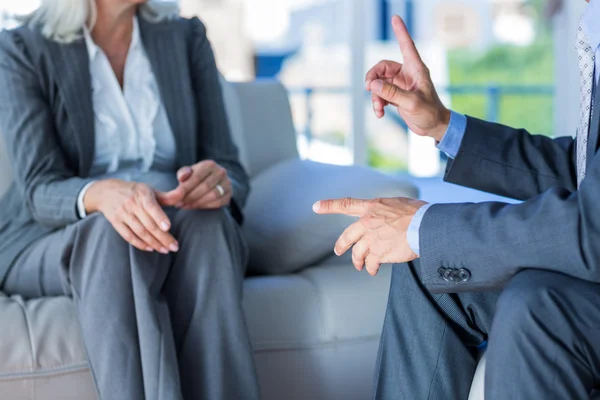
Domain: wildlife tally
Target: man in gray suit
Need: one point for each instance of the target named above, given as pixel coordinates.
(522, 279)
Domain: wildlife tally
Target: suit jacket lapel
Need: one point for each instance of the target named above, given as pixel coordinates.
(72, 74)
(166, 48)
(594, 128)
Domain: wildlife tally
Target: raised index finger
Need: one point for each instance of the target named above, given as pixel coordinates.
(346, 206)
(407, 45)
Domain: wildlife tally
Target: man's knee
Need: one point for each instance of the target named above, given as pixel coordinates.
(407, 294)
(527, 302)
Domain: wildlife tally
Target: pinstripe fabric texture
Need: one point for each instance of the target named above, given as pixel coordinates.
(46, 118)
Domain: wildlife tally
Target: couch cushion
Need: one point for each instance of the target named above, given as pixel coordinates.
(316, 333)
(39, 335)
(317, 306)
(42, 354)
(283, 233)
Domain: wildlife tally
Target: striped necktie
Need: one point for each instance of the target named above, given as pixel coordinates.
(586, 88)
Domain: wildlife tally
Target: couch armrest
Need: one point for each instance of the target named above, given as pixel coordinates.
(282, 231)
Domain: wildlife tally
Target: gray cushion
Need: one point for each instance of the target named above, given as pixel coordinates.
(41, 351)
(283, 232)
(315, 334)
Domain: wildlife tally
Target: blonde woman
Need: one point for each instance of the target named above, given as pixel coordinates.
(127, 195)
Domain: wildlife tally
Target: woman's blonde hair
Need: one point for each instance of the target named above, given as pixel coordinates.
(62, 20)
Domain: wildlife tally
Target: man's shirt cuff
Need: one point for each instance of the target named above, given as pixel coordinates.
(412, 235)
(454, 134)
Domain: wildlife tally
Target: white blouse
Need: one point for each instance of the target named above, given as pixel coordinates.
(132, 132)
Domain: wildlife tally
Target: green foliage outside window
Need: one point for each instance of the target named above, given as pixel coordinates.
(507, 65)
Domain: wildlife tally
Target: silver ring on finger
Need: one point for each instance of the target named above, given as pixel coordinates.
(220, 190)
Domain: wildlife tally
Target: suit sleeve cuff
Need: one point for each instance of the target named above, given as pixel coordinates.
(80, 206)
(412, 235)
(453, 137)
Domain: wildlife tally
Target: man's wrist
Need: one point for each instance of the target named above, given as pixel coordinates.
(412, 234)
(452, 138)
(438, 133)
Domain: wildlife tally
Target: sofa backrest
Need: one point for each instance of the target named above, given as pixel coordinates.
(264, 120)
(236, 123)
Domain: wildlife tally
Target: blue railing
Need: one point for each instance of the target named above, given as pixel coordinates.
(493, 94)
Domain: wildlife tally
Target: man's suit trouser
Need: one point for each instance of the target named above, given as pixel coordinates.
(542, 330)
(155, 326)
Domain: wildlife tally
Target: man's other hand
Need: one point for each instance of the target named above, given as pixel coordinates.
(379, 235)
(409, 88)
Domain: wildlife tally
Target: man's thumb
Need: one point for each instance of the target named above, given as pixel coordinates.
(388, 92)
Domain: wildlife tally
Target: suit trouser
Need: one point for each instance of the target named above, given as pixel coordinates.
(154, 326)
(543, 334)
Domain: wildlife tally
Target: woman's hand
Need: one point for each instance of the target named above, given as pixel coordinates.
(133, 210)
(204, 185)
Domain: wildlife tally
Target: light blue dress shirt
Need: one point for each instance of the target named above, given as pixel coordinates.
(452, 139)
(450, 144)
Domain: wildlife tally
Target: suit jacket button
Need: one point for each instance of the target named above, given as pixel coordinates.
(464, 275)
(454, 276)
(444, 273)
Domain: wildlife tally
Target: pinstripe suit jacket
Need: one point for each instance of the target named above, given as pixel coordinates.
(47, 120)
(556, 228)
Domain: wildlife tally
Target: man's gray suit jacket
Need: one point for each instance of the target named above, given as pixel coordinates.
(556, 228)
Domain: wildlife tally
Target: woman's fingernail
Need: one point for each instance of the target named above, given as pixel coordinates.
(376, 86)
(164, 250)
(174, 247)
(164, 226)
(150, 249)
(183, 172)
(179, 205)
(316, 206)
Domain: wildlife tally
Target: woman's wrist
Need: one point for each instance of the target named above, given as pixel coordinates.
(92, 200)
